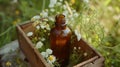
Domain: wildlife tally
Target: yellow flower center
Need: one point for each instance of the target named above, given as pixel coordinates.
(8, 63)
(50, 58)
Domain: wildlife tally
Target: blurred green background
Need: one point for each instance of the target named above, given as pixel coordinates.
(13, 12)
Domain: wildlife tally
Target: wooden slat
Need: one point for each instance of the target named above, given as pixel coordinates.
(86, 62)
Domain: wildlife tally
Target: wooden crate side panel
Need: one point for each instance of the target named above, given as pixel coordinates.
(28, 27)
(29, 51)
(87, 47)
(96, 63)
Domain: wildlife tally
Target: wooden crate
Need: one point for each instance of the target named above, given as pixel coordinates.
(36, 59)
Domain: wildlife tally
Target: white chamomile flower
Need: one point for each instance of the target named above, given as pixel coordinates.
(29, 34)
(78, 35)
(39, 44)
(52, 10)
(59, 3)
(43, 26)
(37, 17)
(44, 54)
(42, 39)
(76, 14)
(64, 6)
(86, 1)
(79, 48)
(47, 27)
(49, 51)
(52, 3)
(65, 13)
(38, 27)
(44, 14)
(75, 48)
(51, 59)
(41, 14)
(45, 19)
(51, 19)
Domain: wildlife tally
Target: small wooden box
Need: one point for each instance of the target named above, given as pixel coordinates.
(36, 59)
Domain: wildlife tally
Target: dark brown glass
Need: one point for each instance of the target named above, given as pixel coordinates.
(60, 37)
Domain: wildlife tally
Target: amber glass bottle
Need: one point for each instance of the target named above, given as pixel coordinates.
(60, 37)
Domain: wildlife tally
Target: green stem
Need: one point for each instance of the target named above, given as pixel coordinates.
(43, 6)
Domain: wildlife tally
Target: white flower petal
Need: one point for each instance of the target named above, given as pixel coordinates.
(44, 14)
(37, 17)
(42, 39)
(86, 1)
(44, 54)
(42, 26)
(38, 27)
(47, 27)
(49, 51)
(75, 48)
(52, 3)
(29, 34)
(52, 10)
(65, 7)
(51, 19)
(78, 35)
(59, 3)
(65, 13)
(76, 14)
(39, 45)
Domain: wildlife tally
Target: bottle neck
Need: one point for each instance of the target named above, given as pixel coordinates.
(60, 26)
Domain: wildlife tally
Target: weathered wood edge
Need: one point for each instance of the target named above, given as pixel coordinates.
(85, 62)
(28, 40)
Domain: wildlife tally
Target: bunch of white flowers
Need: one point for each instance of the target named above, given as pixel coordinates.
(48, 56)
(40, 23)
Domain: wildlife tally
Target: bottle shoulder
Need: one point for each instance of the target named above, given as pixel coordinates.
(63, 32)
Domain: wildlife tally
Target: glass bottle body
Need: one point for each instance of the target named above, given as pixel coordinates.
(60, 43)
